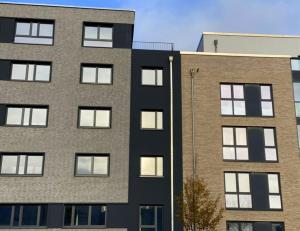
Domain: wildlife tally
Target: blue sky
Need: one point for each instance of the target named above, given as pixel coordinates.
(183, 21)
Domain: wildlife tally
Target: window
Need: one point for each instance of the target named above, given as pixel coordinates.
(152, 120)
(26, 116)
(34, 32)
(151, 218)
(31, 72)
(85, 215)
(24, 164)
(96, 74)
(151, 166)
(152, 77)
(30, 215)
(232, 99)
(98, 35)
(266, 100)
(95, 117)
(277, 226)
(237, 190)
(297, 98)
(274, 191)
(270, 144)
(240, 226)
(295, 63)
(235, 145)
(95, 164)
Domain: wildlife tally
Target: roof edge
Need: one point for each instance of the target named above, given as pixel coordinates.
(251, 35)
(234, 54)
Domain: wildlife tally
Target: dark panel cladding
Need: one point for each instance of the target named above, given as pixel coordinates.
(123, 35)
(252, 97)
(259, 188)
(118, 216)
(154, 191)
(256, 144)
(296, 76)
(263, 226)
(7, 30)
(5, 67)
(55, 215)
(2, 114)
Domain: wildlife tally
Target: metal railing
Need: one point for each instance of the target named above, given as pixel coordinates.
(139, 45)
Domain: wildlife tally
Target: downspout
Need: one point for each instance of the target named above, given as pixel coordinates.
(171, 142)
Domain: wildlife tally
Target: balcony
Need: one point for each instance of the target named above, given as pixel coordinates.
(160, 46)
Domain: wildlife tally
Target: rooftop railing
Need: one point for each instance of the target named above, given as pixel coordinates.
(139, 45)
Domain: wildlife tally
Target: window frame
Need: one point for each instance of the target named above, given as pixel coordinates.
(275, 194)
(239, 223)
(97, 66)
(93, 155)
(141, 226)
(275, 145)
(156, 69)
(94, 122)
(253, 222)
(156, 166)
(156, 121)
(98, 25)
(267, 100)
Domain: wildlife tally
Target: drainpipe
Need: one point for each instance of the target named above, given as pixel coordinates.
(171, 142)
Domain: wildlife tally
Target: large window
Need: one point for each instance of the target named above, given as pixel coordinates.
(101, 74)
(239, 226)
(31, 72)
(152, 77)
(85, 215)
(95, 117)
(152, 120)
(266, 100)
(232, 99)
(253, 226)
(96, 35)
(92, 165)
(26, 116)
(151, 166)
(274, 191)
(237, 191)
(22, 164)
(29, 216)
(34, 32)
(151, 218)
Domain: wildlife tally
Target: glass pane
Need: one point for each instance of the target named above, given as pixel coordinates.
(233, 227)
(90, 32)
(297, 91)
(42, 72)
(245, 201)
(230, 182)
(226, 91)
(275, 202)
(104, 75)
(34, 40)
(148, 166)
(238, 91)
(244, 184)
(269, 137)
(22, 160)
(14, 116)
(89, 74)
(241, 136)
(271, 154)
(159, 76)
(34, 27)
(84, 165)
(23, 28)
(228, 136)
(101, 165)
(273, 183)
(68, 215)
(39, 116)
(295, 64)
(277, 227)
(242, 154)
(87, 118)
(97, 43)
(18, 71)
(98, 215)
(29, 215)
(228, 153)
(46, 30)
(106, 33)
(35, 164)
(30, 72)
(231, 201)
(26, 116)
(148, 215)
(5, 214)
(148, 77)
(226, 107)
(297, 107)
(81, 215)
(159, 119)
(148, 120)
(103, 118)
(159, 166)
(43, 215)
(9, 164)
(267, 108)
(265, 92)
(246, 227)
(239, 107)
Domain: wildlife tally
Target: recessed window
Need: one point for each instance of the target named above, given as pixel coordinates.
(232, 99)
(270, 144)
(266, 100)
(95, 117)
(239, 226)
(24, 164)
(152, 120)
(295, 63)
(151, 218)
(92, 165)
(34, 32)
(98, 35)
(237, 190)
(274, 191)
(31, 72)
(85, 215)
(26, 116)
(151, 166)
(152, 77)
(96, 74)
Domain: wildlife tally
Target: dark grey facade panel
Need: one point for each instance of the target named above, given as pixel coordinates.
(252, 98)
(259, 191)
(256, 144)
(5, 69)
(2, 114)
(123, 35)
(7, 30)
(55, 216)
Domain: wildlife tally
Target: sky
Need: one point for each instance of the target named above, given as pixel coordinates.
(183, 21)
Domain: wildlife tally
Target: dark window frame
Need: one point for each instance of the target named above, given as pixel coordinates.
(97, 66)
(275, 194)
(156, 76)
(156, 122)
(156, 169)
(94, 122)
(267, 100)
(141, 226)
(253, 222)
